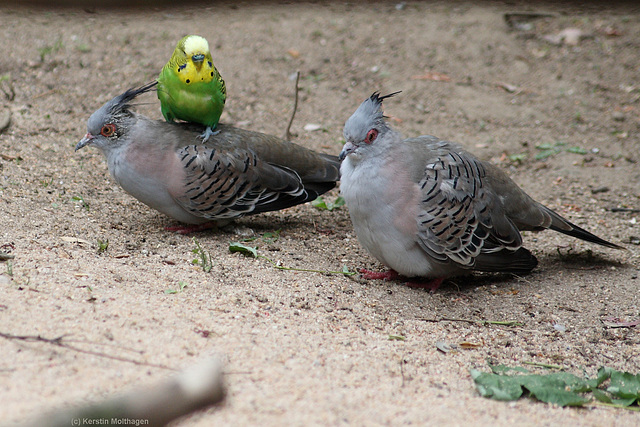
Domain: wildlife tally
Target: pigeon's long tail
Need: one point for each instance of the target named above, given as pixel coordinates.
(566, 227)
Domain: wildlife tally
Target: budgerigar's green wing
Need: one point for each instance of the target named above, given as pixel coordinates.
(166, 87)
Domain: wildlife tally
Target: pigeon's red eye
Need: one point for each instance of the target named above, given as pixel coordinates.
(108, 130)
(371, 136)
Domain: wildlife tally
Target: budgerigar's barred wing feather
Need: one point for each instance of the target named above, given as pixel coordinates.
(231, 183)
(459, 219)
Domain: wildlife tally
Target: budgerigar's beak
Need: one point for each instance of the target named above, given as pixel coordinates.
(198, 58)
(348, 148)
(88, 139)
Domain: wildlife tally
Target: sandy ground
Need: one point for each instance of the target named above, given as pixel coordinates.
(305, 348)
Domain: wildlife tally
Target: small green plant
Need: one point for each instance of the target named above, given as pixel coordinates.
(81, 199)
(268, 237)
(83, 47)
(181, 286)
(548, 149)
(9, 268)
(103, 245)
(203, 258)
(46, 50)
(517, 158)
(321, 204)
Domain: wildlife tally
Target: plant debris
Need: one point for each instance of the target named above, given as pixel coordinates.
(559, 388)
(322, 204)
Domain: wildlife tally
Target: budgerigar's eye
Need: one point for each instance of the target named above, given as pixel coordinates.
(108, 130)
(371, 136)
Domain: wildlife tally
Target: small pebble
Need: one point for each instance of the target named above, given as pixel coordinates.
(618, 116)
(560, 328)
(599, 190)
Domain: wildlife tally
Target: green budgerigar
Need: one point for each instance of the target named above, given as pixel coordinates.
(190, 87)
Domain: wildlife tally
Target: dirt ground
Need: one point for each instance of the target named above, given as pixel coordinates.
(304, 348)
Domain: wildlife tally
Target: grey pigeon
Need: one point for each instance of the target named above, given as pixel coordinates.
(427, 208)
(236, 173)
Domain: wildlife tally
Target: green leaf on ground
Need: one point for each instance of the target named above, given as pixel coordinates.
(624, 386)
(559, 388)
(322, 204)
(497, 387)
(548, 149)
(245, 250)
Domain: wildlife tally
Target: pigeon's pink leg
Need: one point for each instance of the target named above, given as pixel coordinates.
(378, 275)
(187, 229)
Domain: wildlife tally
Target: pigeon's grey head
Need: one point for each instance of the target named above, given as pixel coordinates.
(110, 121)
(366, 125)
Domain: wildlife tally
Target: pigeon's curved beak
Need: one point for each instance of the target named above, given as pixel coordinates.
(88, 139)
(198, 58)
(348, 148)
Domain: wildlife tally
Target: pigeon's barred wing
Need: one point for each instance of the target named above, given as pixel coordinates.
(459, 218)
(227, 184)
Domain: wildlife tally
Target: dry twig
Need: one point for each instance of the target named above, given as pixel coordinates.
(287, 132)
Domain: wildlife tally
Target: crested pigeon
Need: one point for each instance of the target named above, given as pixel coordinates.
(427, 208)
(235, 173)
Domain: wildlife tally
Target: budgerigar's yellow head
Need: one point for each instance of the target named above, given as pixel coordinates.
(192, 60)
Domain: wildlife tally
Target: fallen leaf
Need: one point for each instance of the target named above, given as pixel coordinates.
(293, 53)
(508, 87)
(469, 345)
(610, 31)
(432, 75)
(243, 249)
(615, 322)
(10, 158)
(75, 240)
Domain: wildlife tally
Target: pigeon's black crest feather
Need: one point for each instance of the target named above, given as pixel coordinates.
(123, 101)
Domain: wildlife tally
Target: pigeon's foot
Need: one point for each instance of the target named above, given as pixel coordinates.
(188, 229)
(208, 133)
(432, 285)
(378, 275)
